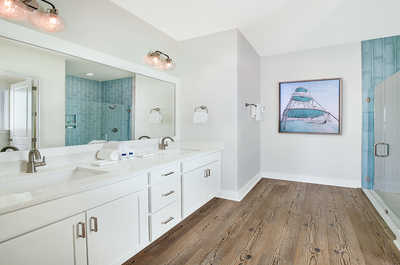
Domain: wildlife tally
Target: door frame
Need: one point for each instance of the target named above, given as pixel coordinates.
(35, 86)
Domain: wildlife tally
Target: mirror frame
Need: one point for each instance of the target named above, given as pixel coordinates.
(25, 35)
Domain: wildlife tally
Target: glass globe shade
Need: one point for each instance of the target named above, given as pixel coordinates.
(168, 64)
(48, 21)
(149, 58)
(156, 59)
(13, 9)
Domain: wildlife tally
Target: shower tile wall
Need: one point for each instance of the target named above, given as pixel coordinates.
(118, 95)
(380, 59)
(100, 107)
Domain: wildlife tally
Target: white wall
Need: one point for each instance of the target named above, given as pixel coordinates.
(318, 158)
(209, 77)
(4, 108)
(4, 123)
(222, 71)
(105, 27)
(49, 69)
(4, 138)
(248, 129)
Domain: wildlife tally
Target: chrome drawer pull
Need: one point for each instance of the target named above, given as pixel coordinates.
(207, 173)
(81, 230)
(95, 227)
(168, 193)
(167, 174)
(168, 220)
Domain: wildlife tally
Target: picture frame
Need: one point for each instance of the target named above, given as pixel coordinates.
(311, 106)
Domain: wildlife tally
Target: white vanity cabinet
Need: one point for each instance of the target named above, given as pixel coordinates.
(57, 243)
(109, 224)
(200, 182)
(114, 230)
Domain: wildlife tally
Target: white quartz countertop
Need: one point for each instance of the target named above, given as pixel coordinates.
(26, 190)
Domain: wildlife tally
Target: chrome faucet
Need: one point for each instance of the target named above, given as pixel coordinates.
(34, 158)
(164, 144)
(9, 147)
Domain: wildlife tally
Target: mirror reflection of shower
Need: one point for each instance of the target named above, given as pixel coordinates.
(101, 103)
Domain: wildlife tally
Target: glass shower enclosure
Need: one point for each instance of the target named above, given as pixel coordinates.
(387, 143)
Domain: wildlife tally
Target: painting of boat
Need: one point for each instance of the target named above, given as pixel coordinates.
(310, 106)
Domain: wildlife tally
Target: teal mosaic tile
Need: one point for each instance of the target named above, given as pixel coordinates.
(90, 100)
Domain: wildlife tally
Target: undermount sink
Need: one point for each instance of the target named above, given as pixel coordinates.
(179, 151)
(175, 151)
(28, 183)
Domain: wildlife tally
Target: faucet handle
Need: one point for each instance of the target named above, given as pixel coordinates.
(42, 163)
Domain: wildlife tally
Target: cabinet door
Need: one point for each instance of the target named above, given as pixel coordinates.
(214, 179)
(199, 186)
(114, 230)
(195, 191)
(61, 243)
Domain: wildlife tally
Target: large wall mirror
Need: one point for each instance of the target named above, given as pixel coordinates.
(76, 101)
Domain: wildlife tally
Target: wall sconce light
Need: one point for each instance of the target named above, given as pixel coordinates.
(22, 10)
(159, 60)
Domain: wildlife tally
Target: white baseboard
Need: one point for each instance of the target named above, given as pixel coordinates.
(242, 192)
(247, 188)
(391, 219)
(352, 183)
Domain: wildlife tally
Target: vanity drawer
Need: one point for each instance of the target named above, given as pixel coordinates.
(165, 172)
(164, 193)
(190, 165)
(164, 220)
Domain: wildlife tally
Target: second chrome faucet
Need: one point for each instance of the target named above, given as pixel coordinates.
(164, 143)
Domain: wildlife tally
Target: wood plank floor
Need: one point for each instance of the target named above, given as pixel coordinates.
(279, 223)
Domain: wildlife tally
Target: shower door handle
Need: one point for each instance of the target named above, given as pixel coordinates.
(386, 149)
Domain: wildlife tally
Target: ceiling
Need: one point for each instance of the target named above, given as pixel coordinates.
(78, 67)
(272, 26)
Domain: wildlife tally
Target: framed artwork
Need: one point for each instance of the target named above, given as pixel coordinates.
(310, 106)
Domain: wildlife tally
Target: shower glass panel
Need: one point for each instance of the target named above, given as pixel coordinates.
(387, 142)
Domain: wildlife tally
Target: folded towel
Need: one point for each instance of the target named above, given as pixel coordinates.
(253, 111)
(107, 154)
(155, 117)
(259, 112)
(200, 116)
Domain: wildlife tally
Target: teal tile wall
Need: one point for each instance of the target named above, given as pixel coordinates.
(119, 93)
(380, 59)
(90, 101)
